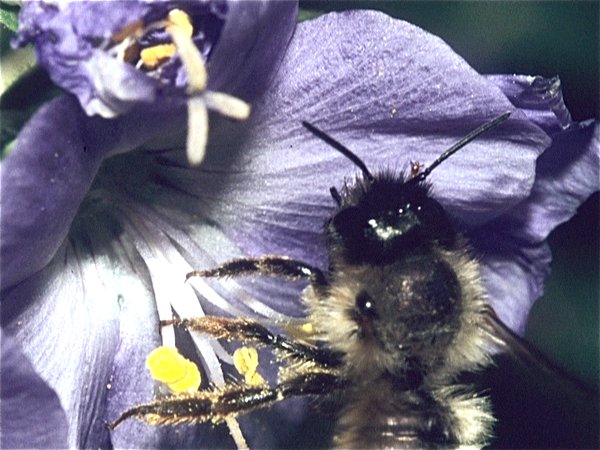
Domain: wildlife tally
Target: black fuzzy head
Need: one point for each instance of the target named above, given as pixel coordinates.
(381, 218)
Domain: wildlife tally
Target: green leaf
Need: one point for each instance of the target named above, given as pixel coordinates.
(9, 16)
(308, 14)
(15, 65)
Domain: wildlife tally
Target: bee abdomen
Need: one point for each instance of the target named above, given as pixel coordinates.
(414, 422)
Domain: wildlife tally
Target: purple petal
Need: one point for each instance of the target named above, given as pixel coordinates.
(513, 272)
(32, 416)
(539, 98)
(43, 181)
(567, 174)
(66, 38)
(515, 258)
(96, 287)
(50, 170)
(50, 315)
(246, 57)
(87, 19)
(276, 195)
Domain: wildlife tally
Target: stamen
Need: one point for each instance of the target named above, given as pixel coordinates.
(190, 56)
(168, 366)
(172, 295)
(197, 137)
(236, 433)
(181, 33)
(245, 360)
(181, 21)
(227, 105)
(179, 26)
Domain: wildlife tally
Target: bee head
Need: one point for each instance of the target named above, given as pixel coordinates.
(383, 215)
(381, 218)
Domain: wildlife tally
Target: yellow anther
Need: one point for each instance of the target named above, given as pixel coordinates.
(180, 20)
(305, 332)
(167, 365)
(152, 57)
(177, 22)
(245, 360)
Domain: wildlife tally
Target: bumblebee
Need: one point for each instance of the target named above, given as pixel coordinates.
(400, 313)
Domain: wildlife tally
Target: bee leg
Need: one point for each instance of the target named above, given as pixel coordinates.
(274, 266)
(201, 406)
(230, 401)
(245, 330)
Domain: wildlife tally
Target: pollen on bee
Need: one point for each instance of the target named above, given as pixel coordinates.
(245, 360)
(168, 366)
(304, 332)
(308, 328)
(414, 168)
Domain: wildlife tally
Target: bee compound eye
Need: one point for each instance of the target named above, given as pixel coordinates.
(345, 222)
(365, 305)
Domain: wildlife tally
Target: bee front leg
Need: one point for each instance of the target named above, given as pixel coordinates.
(228, 402)
(274, 266)
(245, 330)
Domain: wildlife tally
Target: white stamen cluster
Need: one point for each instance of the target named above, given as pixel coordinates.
(200, 99)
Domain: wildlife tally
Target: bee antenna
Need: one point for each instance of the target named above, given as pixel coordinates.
(340, 148)
(456, 147)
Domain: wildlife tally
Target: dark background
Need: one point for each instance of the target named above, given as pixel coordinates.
(548, 39)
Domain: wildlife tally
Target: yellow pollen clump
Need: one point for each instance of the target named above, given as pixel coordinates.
(167, 365)
(245, 360)
(152, 57)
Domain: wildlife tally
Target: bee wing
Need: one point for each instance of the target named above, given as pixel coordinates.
(508, 341)
(537, 403)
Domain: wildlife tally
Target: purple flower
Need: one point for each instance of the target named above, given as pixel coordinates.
(26, 398)
(95, 49)
(95, 243)
(48, 185)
